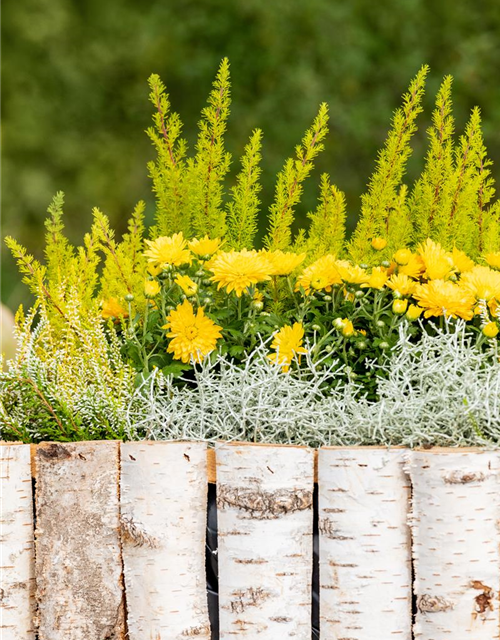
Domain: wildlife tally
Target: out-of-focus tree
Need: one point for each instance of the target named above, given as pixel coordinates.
(75, 91)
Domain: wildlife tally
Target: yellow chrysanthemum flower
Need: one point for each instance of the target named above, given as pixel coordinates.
(352, 273)
(283, 262)
(188, 286)
(193, 335)
(494, 307)
(377, 279)
(461, 261)
(287, 343)
(151, 288)
(238, 270)
(493, 259)
(379, 243)
(321, 274)
(111, 308)
(483, 282)
(168, 250)
(438, 297)
(401, 284)
(413, 268)
(206, 246)
(438, 263)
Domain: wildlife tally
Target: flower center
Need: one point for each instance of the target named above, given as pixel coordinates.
(191, 333)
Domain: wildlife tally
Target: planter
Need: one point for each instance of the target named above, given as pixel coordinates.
(120, 541)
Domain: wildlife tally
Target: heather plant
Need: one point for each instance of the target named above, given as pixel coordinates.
(69, 384)
(195, 290)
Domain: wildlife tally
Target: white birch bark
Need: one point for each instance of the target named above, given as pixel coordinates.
(365, 552)
(164, 514)
(17, 598)
(455, 520)
(265, 518)
(78, 555)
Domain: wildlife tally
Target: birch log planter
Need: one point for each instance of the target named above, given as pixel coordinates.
(365, 550)
(111, 542)
(265, 527)
(17, 602)
(164, 506)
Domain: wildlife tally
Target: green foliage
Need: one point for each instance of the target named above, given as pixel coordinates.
(207, 170)
(399, 223)
(243, 209)
(327, 227)
(167, 172)
(58, 252)
(430, 198)
(465, 185)
(289, 186)
(489, 240)
(486, 218)
(378, 203)
(125, 265)
(33, 272)
(70, 272)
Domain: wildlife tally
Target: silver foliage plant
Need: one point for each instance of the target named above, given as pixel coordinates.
(442, 391)
(254, 402)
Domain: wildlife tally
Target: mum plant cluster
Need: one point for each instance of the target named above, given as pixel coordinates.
(120, 328)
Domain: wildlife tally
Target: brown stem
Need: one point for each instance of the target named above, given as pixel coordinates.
(115, 257)
(47, 404)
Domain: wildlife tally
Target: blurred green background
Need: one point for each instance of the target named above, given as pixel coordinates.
(75, 93)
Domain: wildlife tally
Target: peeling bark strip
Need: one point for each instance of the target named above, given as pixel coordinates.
(17, 598)
(78, 557)
(164, 511)
(365, 557)
(456, 505)
(265, 541)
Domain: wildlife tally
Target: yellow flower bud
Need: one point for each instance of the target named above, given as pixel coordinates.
(379, 243)
(490, 329)
(399, 306)
(347, 328)
(402, 257)
(151, 288)
(414, 312)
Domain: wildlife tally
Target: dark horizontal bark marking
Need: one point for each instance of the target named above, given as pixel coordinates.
(460, 477)
(244, 598)
(264, 505)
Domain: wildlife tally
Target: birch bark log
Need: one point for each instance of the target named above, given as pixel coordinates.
(265, 518)
(164, 513)
(78, 555)
(17, 598)
(455, 520)
(365, 553)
